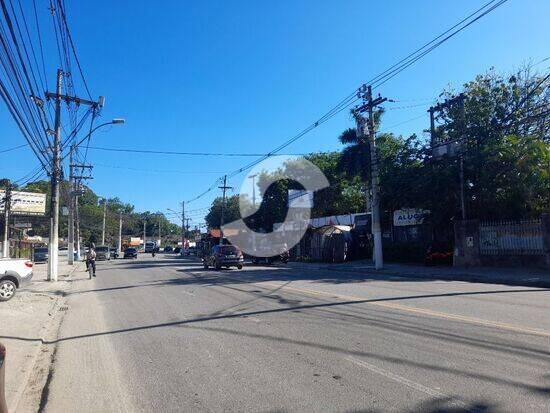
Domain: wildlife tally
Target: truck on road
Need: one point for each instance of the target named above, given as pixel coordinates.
(14, 273)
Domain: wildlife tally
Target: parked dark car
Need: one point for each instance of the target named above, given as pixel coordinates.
(114, 253)
(177, 250)
(168, 248)
(102, 253)
(224, 256)
(40, 254)
(130, 253)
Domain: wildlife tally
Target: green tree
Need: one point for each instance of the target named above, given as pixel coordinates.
(231, 211)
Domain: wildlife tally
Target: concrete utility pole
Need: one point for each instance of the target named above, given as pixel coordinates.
(104, 215)
(70, 238)
(160, 237)
(187, 224)
(182, 224)
(223, 188)
(119, 233)
(369, 104)
(75, 191)
(435, 142)
(77, 229)
(53, 245)
(253, 177)
(7, 207)
(144, 230)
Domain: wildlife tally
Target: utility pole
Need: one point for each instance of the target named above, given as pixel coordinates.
(187, 224)
(7, 207)
(253, 177)
(160, 237)
(368, 126)
(435, 142)
(77, 229)
(182, 224)
(70, 238)
(223, 188)
(120, 233)
(74, 219)
(53, 245)
(104, 215)
(144, 230)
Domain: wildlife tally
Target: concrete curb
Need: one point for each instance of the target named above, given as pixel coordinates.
(57, 303)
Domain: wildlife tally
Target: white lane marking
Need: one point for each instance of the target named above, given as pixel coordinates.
(409, 383)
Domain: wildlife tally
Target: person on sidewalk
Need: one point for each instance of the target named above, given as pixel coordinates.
(90, 258)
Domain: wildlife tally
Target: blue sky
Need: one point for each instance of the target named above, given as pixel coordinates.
(244, 76)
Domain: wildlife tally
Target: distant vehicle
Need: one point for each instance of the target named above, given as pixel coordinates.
(102, 253)
(14, 273)
(114, 253)
(168, 248)
(224, 256)
(40, 254)
(150, 246)
(177, 250)
(130, 253)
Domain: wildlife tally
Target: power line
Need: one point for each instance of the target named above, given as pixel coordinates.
(175, 152)
(377, 81)
(14, 148)
(434, 43)
(154, 170)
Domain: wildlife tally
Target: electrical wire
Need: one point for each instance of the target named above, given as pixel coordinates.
(14, 148)
(128, 150)
(377, 81)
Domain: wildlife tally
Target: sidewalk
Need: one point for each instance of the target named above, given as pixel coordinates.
(27, 320)
(530, 277)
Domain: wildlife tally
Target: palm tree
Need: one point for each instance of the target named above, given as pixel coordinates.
(355, 160)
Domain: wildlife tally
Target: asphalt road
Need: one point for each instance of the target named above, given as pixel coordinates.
(165, 335)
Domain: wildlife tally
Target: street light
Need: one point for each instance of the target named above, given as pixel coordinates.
(115, 121)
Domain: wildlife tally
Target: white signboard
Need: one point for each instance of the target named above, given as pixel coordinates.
(403, 217)
(25, 203)
(298, 198)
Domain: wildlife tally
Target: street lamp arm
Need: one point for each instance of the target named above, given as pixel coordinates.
(92, 131)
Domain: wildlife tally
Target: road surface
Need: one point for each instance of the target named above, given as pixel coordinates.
(162, 334)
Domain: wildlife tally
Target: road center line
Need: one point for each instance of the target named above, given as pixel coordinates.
(422, 311)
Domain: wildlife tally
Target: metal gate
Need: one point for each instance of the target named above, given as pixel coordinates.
(511, 238)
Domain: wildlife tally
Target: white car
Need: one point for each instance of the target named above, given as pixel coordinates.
(14, 273)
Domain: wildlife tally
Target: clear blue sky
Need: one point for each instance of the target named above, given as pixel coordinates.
(244, 76)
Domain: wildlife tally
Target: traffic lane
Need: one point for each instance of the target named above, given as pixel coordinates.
(524, 307)
(271, 323)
